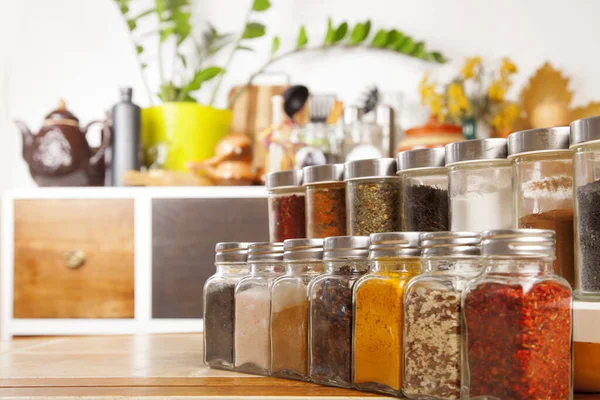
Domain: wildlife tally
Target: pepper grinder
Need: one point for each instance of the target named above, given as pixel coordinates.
(125, 138)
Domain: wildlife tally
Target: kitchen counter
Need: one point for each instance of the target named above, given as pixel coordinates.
(144, 366)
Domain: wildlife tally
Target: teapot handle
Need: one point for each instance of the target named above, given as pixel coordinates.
(106, 136)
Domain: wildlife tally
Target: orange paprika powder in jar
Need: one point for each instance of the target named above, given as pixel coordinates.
(378, 319)
(518, 321)
(325, 201)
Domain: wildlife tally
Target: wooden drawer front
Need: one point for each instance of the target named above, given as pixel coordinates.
(184, 234)
(47, 229)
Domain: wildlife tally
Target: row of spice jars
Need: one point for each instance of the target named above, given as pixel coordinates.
(377, 321)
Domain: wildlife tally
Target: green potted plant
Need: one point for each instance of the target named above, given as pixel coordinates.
(187, 130)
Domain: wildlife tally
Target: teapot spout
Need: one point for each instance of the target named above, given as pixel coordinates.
(27, 137)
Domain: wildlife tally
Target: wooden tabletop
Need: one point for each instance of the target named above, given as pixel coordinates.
(163, 366)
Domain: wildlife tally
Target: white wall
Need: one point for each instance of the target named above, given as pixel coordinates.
(79, 50)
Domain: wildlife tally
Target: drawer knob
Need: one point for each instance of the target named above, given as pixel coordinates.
(74, 259)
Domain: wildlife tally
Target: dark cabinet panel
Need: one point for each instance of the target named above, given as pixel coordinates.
(184, 234)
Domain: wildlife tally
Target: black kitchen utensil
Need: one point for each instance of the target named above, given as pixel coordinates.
(294, 99)
(369, 99)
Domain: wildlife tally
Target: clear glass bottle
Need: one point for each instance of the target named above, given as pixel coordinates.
(373, 197)
(424, 182)
(432, 314)
(219, 304)
(286, 205)
(517, 321)
(480, 185)
(330, 310)
(378, 303)
(585, 141)
(315, 144)
(303, 259)
(253, 308)
(325, 201)
(543, 181)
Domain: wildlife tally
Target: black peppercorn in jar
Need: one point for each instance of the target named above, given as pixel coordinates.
(219, 304)
(424, 190)
(585, 141)
(373, 196)
(330, 310)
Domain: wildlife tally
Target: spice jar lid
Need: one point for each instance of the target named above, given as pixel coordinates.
(283, 179)
(530, 140)
(437, 244)
(585, 130)
(323, 173)
(421, 158)
(372, 168)
(231, 252)
(303, 250)
(476, 150)
(265, 251)
(395, 244)
(346, 247)
(538, 243)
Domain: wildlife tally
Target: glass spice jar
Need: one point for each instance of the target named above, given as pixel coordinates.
(325, 201)
(378, 303)
(253, 308)
(424, 182)
(585, 141)
(303, 260)
(372, 196)
(286, 205)
(219, 305)
(543, 177)
(480, 185)
(330, 310)
(432, 314)
(517, 321)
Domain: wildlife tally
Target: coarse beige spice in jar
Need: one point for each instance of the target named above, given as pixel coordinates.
(252, 320)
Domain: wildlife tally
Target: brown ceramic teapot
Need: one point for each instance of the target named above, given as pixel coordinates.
(59, 154)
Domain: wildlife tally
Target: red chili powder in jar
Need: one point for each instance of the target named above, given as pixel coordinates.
(519, 343)
(289, 218)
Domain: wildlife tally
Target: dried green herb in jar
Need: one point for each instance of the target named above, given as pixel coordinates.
(374, 206)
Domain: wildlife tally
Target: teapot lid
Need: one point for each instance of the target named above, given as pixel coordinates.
(61, 113)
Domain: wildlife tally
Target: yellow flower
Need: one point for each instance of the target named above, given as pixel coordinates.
(458, 103)
(497, 90)
(505, 117)
(508, 67)
(471, 64)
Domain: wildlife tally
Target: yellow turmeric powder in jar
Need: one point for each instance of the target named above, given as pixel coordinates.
(378, 312)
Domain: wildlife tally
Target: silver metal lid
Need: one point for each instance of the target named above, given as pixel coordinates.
(265, 251)
(544, 139)
(303, 250)
(421, 158)
(395, 244)
(323, 173)
(585, 130)
(376, 167)
(455, 244)
(283, 179)
(475, 150)
(231, 252)
(346, 247)
(537, 243)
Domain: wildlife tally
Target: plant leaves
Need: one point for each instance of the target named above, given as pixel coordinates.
(275, 45)
(261, 5)
(360, 32)
(166, 32)
(123, 6)
(438, 57)
(131, 24)
(302, 38)
(340, 32)
(253, 30)
(380, 39)
(139, 49)
(143, 14)
(407, 46)
(183, 60)
(330, 35)
(419, 50)
(245, 48)
(182, 28)
(202, 76)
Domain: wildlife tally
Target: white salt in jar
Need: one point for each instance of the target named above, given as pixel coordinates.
(480, 185)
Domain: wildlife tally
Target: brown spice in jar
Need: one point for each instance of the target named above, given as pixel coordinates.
(561, 222)
(432, 340)
(289, 336)
(326, 210)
